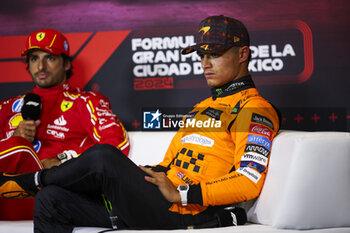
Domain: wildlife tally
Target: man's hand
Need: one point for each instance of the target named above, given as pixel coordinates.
(48, 163)
(165, 186)
(27, 129)
(56, 161)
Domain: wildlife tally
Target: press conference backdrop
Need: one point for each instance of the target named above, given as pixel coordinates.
(130, 52)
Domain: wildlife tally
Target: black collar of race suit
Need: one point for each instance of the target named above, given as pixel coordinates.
(233, 87)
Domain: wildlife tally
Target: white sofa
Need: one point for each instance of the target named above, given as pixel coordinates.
(307, 186)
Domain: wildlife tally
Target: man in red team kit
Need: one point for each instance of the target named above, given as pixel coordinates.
(70, 120)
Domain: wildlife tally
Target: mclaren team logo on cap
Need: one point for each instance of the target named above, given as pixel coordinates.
(205, 47)
(40, 36)
(204, 29)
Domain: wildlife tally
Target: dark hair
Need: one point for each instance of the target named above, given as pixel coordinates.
(66, 58)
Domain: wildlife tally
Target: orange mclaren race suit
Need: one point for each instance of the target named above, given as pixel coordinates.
(71, 119)
(222, 153)
(223, 150)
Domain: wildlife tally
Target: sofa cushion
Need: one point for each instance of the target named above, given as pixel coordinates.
(149, 148)
(308, 182)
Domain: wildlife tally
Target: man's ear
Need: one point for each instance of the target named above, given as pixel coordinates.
(67, 65)
(244, 54)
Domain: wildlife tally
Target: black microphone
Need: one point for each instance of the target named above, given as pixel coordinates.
(31, 108)
(229, 216)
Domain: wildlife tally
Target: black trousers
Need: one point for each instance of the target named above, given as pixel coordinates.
(72, 196)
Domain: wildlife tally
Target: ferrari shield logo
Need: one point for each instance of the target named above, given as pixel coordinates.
(40, 36)
(66, 105)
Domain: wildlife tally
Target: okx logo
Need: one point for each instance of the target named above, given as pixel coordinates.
(151, 119)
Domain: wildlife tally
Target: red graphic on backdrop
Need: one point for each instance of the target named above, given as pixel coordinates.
(153, 83)
(333, 117)
(298, 118)
(308, 52)
(315, 118)
(90, 52)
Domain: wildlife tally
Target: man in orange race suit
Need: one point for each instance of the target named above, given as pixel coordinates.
(204, 170)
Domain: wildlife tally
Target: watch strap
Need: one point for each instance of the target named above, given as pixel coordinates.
(183, 190)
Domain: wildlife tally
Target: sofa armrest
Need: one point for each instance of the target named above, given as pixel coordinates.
(308, 182)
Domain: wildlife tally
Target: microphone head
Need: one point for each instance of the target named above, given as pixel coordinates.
(31, 108)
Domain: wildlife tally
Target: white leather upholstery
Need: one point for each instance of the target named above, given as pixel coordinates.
(308, 182)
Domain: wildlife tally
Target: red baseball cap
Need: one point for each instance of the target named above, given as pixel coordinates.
(49, 40)
(218, 33)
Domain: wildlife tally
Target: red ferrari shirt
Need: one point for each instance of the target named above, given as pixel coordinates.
(71, 119)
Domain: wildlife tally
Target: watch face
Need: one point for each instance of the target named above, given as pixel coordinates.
(61, 156)
(183, 187)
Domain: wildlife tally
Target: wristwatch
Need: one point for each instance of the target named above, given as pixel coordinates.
(183, 189)
(61, 156)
